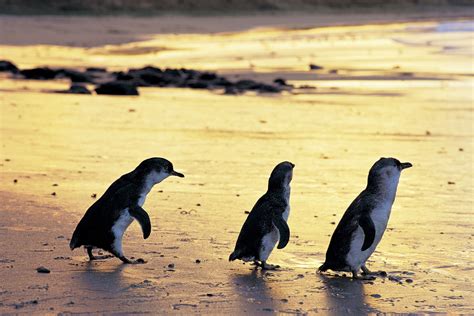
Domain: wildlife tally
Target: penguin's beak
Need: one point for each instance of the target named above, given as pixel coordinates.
(177, 174)
(405, 165)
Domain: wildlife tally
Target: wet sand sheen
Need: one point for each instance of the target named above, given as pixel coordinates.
(226, 146)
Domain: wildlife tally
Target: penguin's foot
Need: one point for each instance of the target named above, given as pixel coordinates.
(89, 253)
(366, 271)
(128, 261)
(362, 277)
(103, 257)
(256, 264)
(266, 266)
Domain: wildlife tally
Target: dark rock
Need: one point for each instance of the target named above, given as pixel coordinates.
(315, 67)
(232, 90)
(280, 81)
(117, 88)
(247, 85)
(96, 69)
(75, 76)
(151, 79)
(208, 76)
(266, 88)
(42, 270)
(221, 82)
(44, 73)
(8, 66)
(198, 85)
(124, 76)
(333, 71)
(376, 295)
(76, 89)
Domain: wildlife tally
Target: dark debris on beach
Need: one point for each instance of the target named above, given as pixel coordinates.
(128, 82)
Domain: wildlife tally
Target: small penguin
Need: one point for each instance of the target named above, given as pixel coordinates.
(266, 223)
(105, 222)
(364, 222)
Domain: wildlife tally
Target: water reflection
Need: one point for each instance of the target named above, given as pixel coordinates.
(345, 296)
(253, 288)
(97, 279)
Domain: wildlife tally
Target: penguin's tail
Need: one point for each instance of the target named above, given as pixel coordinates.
(74, 243)
(234, 255)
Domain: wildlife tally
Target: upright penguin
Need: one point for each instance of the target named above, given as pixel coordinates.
(364, 222)
(266, 223)
(105, 222)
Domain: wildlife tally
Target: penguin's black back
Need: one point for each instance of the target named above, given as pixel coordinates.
(341, 239)
(258, 224)
(94, 229)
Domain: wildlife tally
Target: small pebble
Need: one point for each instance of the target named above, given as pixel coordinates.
(171, 265)
(409, 281)
(140, 260)
(42, 270)
(383, 274)
(55, 184)
(93, 195)
(246, 212)
(53, 194)
(376, 295)
(451, 182)
(210, 294)
(15, 180)
(198, 261)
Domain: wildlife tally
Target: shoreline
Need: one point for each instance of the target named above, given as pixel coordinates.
(19, 30)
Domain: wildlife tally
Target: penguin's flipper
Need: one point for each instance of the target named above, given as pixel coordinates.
(369, 231)
(142, 217)
(284, 230)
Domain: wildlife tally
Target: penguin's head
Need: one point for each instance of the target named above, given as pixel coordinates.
(386, 171)
(156, 170)
(281, 175)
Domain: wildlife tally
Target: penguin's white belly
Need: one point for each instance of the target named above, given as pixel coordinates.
(356, 257)
(268, 243)
(270, 240)
(119, 228)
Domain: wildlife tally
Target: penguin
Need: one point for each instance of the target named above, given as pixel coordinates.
(364, 222)
(266, 224)
(105, 222)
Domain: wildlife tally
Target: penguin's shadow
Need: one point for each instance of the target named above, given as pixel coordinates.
(345, 295)
(101, 279)
(253, 288)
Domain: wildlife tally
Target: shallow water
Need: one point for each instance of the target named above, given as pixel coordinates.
(389, 98)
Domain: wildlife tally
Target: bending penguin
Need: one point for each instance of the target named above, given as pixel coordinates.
(266, 224)
(364, 222)
(105, 222)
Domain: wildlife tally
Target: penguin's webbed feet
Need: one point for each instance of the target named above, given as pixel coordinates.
(367, 272)
(128, 261)
(362, 277)
(266, 266)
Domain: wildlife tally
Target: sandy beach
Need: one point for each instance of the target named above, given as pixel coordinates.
(401, 89)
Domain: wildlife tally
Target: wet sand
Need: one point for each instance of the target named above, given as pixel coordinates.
(402, 90)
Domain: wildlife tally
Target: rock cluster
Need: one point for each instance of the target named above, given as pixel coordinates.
(126, 83)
